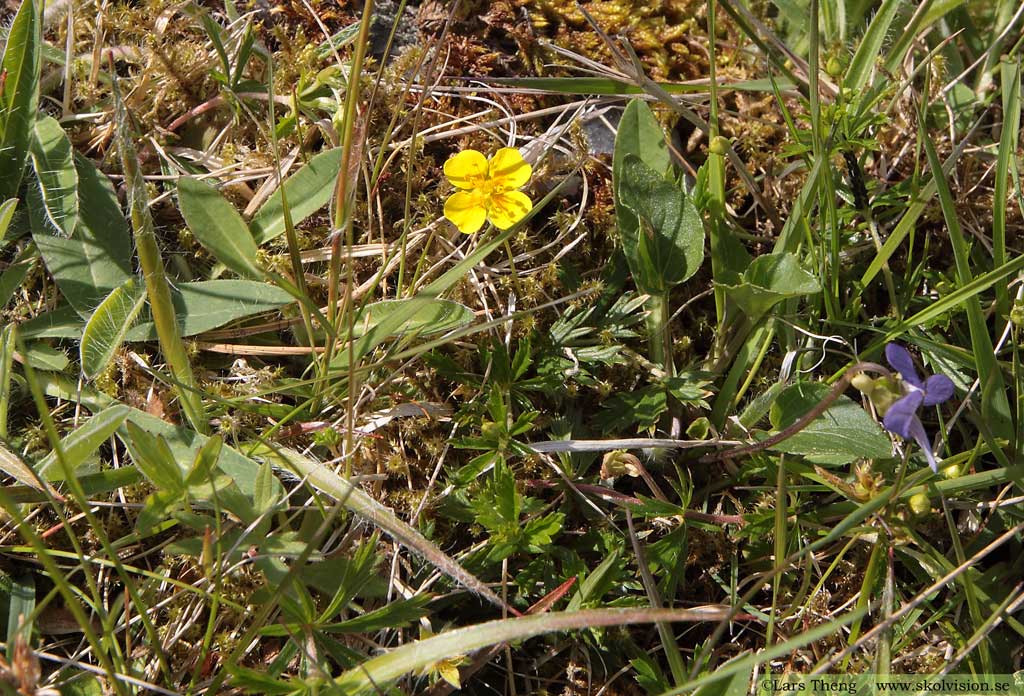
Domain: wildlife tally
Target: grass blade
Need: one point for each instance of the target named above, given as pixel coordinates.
(995, 407)
(1010, 73)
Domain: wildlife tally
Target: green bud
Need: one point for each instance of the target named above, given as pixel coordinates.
(863, 383)
(833, 67)
(1017, 314)
(719, 145)
(920, 504)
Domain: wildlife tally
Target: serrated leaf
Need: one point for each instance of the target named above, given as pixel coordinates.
(770, 279)
(54, 164)
(20, 95)
(208, 304)
(666, 246)
(841, 435)
(306, 191)
(217, 226)
(106, 329)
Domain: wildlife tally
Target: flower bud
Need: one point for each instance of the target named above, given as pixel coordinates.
(618, 463)
(920, 504)
(719, 145)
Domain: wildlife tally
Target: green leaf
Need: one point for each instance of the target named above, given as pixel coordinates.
(13, 275)
(866, 57)
(843, 434)
(770, 279)
(82, 268)
(19, 97)
(98, 257)
(666, 246)
(375, 674)
(20, 610)
(306, 191)
(83, 442)
(208, 304)
(995, 406)
(100, 217)
(217, 226)
(379, 321)
(155, 460)
(430, 317)
(106, 329)
(54, 164)
(43, 356)
(360, 503)
(597, 582)
(62, 322)
(639, 134)
(185, 444)
(6, 215)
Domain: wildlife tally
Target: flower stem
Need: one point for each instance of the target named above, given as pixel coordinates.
(659, 338)
(157, 288)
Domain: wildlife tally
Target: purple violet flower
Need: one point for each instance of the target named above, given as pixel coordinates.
(901, 418)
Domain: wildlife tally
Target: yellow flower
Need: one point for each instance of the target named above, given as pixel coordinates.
(487, 189)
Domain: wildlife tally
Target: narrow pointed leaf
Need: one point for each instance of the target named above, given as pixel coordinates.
(21, 61)
(306, 191)
(54, 164)
(106, 329)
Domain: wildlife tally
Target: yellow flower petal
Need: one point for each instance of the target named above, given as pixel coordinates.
(466, 169)
(506, 209)
(508, 170)
(466, 211)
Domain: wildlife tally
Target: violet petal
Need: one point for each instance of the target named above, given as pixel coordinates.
(900, 360)
(921, 437)
(937, 388)
(901, 415)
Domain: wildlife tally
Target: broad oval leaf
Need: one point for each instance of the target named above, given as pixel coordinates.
(666, 246)
(841, 435)
(19, 96)
(218, 227)
(97, 258)
(306, 191)
(208, 304)
(106, 329)
(54, 164)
